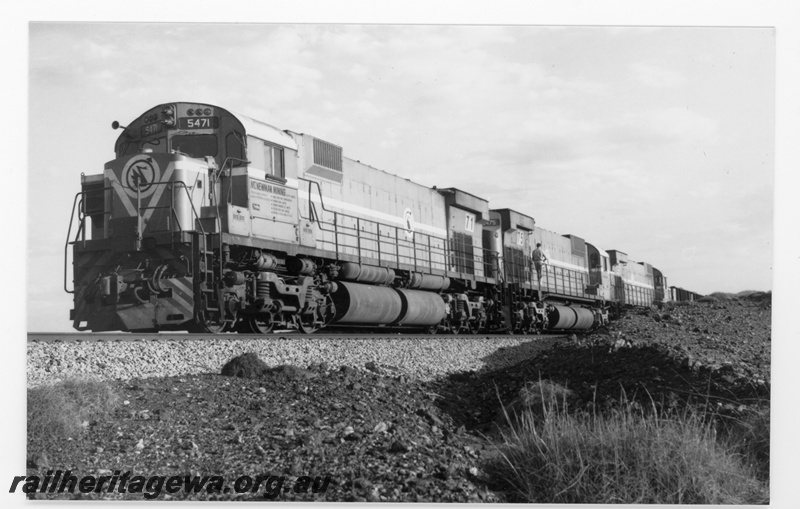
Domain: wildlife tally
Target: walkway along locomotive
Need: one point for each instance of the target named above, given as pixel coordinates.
(210, 221)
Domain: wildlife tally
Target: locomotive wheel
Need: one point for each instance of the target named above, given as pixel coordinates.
(305, 323)
(474, 326)
(452, 327)
(258, 324)
(432, 329)
(310, 323)
(207, 327)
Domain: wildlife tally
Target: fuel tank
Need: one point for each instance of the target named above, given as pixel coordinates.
(421, 308)
(357, 303)
(567, 317)
(368, 304)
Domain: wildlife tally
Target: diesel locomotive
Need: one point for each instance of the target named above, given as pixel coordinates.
(210, 221)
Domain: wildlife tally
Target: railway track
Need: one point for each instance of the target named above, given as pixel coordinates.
(76, 337)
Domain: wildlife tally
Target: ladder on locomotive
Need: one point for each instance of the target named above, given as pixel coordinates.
(205, 279)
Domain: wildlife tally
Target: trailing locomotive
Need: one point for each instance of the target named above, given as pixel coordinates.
(211, 221)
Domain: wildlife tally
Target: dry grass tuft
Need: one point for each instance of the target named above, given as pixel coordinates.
(64, 410)
(748, 435)
(624, 456)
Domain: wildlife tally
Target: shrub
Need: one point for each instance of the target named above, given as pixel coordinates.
(246, 365)
(59, 411)
(624, 456)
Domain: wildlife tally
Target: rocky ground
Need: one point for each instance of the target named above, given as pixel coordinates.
(714, 355)
(383, 434)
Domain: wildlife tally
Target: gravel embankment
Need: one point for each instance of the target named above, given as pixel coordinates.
(409, 422)
(423, 359)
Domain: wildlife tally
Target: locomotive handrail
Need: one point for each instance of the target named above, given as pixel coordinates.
(319, 192)
(82, 216)
(444, 257)
(563, 281)
(66, 245)
(81, 228)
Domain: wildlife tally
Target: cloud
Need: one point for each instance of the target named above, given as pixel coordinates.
(656, 76)
(660, 128)
(679, 123)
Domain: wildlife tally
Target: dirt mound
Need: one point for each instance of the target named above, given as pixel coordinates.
(247, 365)
(764, 297)
(716, 356)
(722, 296)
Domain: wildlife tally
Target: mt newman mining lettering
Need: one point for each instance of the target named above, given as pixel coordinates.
(261, 186)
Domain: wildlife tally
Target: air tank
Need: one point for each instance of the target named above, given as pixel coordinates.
(567, 317)
(366, 274)
(300, 266)
(434, 283)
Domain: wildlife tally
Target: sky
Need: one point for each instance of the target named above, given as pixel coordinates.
(658, 142)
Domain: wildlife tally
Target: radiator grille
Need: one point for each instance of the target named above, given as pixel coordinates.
(327, 155)
(462, 253)
(515, 264)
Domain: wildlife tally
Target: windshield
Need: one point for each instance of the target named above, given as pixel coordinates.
(196, 145)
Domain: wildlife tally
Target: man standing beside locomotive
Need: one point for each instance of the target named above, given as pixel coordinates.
(538, 258)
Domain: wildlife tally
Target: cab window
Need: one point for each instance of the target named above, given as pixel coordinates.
(234, 148)
(266, 157)
(196, 145)
(157, 145)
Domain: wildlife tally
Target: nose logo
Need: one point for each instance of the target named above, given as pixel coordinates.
(141, 171)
